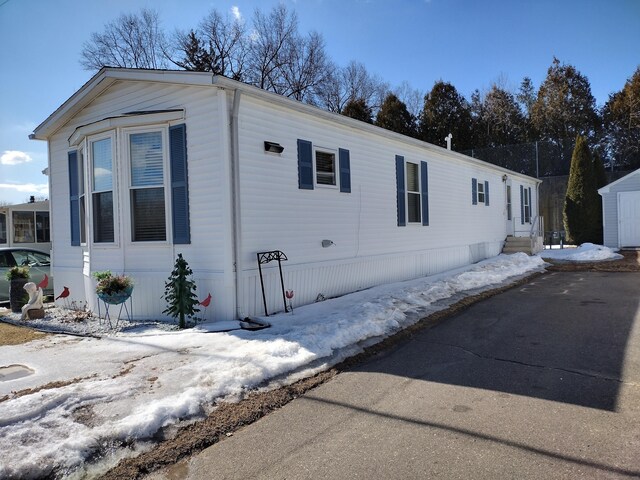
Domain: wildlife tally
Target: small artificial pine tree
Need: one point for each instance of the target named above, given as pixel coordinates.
(180, 292)
(581, 202)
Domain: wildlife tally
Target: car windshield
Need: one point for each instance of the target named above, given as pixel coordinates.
(32, 259)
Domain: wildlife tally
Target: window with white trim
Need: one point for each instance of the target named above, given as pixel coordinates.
(147, 186)
(82, 201)
(413, 193)
(3, 228)
(527, 206)
(325, 167)
(480, 192)
(102, 189)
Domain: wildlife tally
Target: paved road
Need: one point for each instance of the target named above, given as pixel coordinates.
(542, 381)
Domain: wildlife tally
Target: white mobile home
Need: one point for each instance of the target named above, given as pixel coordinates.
(148, 164)
(621, 211)
(25, 225)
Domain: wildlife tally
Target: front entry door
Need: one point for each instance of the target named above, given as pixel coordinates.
(509, 209)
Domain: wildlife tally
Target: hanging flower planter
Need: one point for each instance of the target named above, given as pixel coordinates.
(113, 289)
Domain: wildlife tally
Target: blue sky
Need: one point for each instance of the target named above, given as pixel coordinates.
(470, 43)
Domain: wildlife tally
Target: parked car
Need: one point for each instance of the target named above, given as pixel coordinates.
(39, 264)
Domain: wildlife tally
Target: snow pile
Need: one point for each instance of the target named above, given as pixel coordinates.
(124, 387)
(587, 252)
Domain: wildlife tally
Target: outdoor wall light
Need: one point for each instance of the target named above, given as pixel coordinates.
(504, 177)
(327, 243)
(273, 147)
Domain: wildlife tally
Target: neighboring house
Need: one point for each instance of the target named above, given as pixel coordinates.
(146, 164)
(25, 225)
(621, 211)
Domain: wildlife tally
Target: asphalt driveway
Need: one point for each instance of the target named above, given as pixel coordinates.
(542, 381)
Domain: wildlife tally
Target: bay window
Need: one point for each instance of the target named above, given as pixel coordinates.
(102, 190)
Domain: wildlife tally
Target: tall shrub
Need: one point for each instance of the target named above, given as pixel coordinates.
(180, 293)
(581, 203)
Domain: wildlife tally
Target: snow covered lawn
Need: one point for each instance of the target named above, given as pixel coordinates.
(587, 252)
(103, 397)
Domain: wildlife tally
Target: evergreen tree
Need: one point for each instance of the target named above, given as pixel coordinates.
(359, 110)
(393, 115)
(565, 106)
(621, 115)
(180, 293)
(446, 111)
(526, 97)
(502, 118)
(581, 202)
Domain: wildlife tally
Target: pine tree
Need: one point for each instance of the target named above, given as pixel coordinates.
(180, 293)
(446, 111)
(359, 110)
(393, 115)
(581, 202)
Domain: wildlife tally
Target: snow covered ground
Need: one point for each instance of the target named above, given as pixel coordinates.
(587, 252)
(115, 392)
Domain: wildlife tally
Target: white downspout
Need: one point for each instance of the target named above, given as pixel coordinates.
(235, 200)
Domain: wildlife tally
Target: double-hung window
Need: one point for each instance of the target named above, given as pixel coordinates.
(325, 167)
(479, 192)
(147, 186)
(412, 191)
(102, 190)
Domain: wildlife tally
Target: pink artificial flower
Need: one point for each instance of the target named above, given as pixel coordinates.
(289, 294)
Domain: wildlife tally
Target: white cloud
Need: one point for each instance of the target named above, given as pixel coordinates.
(14, 157)
(235, 11)
(34, 188)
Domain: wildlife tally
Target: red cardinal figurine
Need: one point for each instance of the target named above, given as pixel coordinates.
(64, 294)
(44, 283)
(205, 303)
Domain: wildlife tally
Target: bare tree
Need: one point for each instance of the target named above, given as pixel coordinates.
(268, 47)
(411, 97)
(352, 83)
(305, 68)
(132, 40)
(218, 45)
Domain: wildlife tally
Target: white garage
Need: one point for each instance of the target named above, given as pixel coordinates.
(621, 211)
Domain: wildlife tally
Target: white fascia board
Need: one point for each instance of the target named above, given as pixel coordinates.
(607, 188)
(102, 80)
(108, 75)
(128, 120)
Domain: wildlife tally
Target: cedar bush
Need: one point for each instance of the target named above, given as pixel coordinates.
(582, 203)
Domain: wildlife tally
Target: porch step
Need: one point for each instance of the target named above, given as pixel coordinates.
(521, 244)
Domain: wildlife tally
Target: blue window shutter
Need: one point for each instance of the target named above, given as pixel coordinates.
(486, 192)
(424, 194)
(521, 204)
(345, 170)
(305, 165)
(179, 184)
(474, 191)
(400, 191)
(74, 202)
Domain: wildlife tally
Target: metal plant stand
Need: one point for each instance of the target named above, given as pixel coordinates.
(121, 299)
(264, 258)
